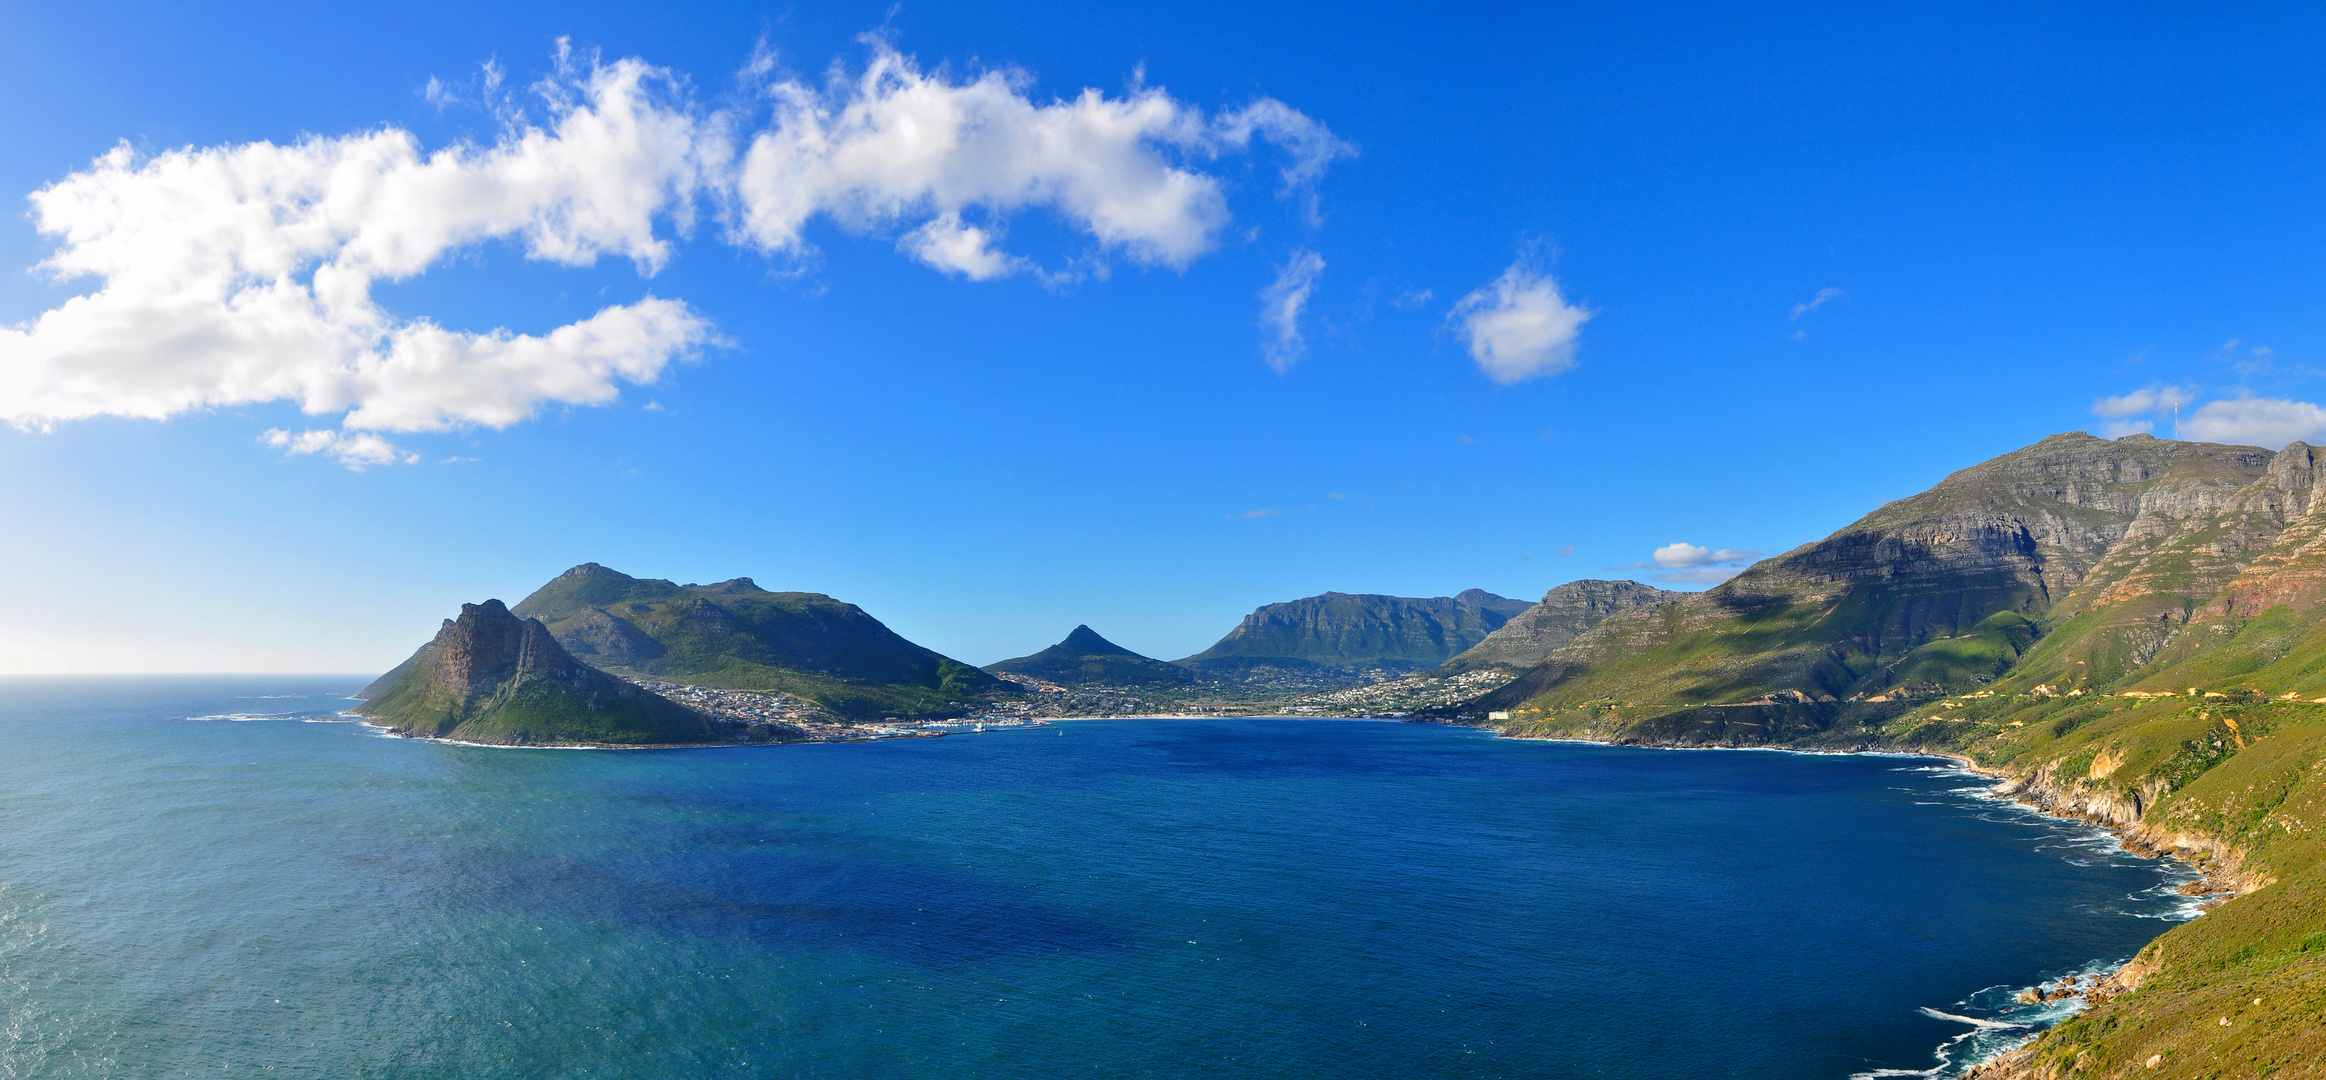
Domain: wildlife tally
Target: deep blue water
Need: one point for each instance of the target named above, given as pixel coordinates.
(1210, 898)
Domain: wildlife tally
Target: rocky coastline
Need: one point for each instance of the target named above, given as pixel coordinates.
(2223, 870)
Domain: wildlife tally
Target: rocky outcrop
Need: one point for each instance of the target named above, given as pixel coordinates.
(1558, 618)
(493, 677)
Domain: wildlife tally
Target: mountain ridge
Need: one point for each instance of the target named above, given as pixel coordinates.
(735, 635)
(2130, 631)
(1359, 630)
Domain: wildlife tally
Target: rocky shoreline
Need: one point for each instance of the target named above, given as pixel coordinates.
(2221, 869)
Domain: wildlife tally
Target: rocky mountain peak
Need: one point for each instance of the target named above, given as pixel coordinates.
(487, 646)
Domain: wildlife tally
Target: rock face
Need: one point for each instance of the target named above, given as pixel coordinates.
(492, 677)
(2131, 632)
(1949, 588)
(1558, 618)
(1355, 631)
(736, 635)
(1086, 659)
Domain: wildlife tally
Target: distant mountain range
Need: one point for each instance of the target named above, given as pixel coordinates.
(2130, 630)
(1086, 659)
(1354, 631)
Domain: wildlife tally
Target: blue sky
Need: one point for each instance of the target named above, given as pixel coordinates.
(1207, 308)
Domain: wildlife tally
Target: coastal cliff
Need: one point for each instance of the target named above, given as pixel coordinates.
(492, 677)
(2127, 632)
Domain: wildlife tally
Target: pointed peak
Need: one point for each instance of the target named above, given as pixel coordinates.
(1085, 641)
(593, 570)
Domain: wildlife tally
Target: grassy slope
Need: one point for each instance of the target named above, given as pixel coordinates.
(2235, 783)
(2231, 782)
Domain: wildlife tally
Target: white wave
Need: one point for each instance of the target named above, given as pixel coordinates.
(1971, 1020)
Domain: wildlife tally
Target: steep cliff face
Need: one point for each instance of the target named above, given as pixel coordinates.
(1086, 659)
(492, 677)
(1558, 618)
(737, 635)
(1351, 630)
(2130, 632)
(1942, 590)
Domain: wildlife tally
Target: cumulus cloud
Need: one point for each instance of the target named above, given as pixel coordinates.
(2270, 422)
(2149, 400)
(1518, 326)
(244, 274)
(895, 146)
(1280, 306)
(1824, 296)
(358, 451)
(1684, 554)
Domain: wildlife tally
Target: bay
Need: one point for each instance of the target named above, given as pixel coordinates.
(196, 879)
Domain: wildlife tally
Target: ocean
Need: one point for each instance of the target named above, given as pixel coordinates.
(198, 877)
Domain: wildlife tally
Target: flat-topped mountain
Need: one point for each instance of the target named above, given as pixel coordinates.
(1558, 618)
(1355, 631)
(1086, 659)
(738, 636)
(492, 677)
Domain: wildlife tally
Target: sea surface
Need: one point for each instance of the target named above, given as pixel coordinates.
(197, 880)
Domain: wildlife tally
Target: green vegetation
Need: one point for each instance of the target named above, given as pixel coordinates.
(492, 677)
(1354, 631)
(1086, 659)
(736, 635)
(2126, 630)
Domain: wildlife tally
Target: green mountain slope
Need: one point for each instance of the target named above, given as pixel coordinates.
(1086, 659)
(736, 635)
(491, 677)
(2129, 631)
(1356, 631)
(1940, 591)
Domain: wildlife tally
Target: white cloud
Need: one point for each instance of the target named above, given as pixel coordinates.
(894, 145)
(947, 244)
(243, 274)
(358, 451)
(2149, 400)
(2270, 422)
(1824, 296)
(1684, 554)
(1281, 304)
(1519, 327)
